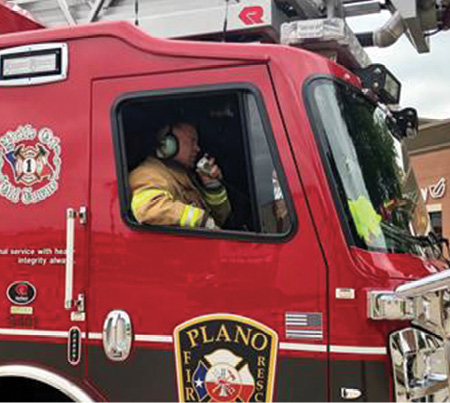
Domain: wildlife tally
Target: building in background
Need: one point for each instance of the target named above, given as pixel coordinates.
(430, 155)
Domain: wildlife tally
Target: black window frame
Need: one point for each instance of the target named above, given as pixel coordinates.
(122, 173)
(243, 111)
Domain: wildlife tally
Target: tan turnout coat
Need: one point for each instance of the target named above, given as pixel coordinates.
(164, 194)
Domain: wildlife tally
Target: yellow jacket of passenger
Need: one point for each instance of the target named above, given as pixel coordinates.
(164, 194)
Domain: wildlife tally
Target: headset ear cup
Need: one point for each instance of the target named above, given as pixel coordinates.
(168, 146)
(171, 145)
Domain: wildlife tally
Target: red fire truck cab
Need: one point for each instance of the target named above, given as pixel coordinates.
(300, 296)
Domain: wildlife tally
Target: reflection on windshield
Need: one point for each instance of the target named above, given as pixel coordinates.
(372, 168)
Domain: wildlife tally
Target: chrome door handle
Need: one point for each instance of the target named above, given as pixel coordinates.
(70, 240)
(117, 335)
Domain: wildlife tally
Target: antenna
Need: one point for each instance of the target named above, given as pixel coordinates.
(136, 13)
(225, 22)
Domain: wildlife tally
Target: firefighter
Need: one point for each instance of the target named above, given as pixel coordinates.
(166, 190)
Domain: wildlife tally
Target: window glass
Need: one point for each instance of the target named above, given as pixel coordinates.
(200, 161)
(371, 171)
(272, 205)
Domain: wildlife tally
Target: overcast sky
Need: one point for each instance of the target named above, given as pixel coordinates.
(425, 77)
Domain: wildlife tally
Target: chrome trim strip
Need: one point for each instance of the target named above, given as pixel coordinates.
(152, 338)
(303, 347)
(37, 333)
(334, 349)
(358, 350)
(30, 332)
(65, 386)
(95, 336)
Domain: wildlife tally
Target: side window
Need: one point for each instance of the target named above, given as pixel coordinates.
(199, 161)
(272, 207)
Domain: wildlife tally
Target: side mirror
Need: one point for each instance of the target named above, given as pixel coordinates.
(407, 122)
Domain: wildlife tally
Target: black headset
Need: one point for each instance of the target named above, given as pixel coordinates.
(168, 144)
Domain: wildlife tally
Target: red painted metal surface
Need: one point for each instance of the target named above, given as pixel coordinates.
(162, 280)
(15, 19)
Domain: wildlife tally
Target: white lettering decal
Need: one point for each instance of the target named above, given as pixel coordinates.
(35, 257)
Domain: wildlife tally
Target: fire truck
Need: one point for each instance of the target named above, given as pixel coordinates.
(325, 284)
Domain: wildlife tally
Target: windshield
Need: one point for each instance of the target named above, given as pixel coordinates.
(376, 184)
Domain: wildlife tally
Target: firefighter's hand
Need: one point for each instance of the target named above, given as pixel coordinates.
(214, 175)
(211, 224)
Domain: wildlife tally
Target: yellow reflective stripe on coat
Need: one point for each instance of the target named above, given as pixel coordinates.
(190, 216)
(144, 196)
(215, 199)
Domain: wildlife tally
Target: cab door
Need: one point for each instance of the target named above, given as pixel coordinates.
(44, 160)
(150, 280)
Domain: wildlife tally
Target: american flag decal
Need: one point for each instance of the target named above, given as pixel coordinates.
(304, 325)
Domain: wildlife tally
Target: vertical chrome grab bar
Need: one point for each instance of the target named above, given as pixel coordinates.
(70, 240)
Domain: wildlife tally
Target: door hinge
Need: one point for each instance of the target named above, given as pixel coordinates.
(79, 303)
(83, 215)
(79, 315)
